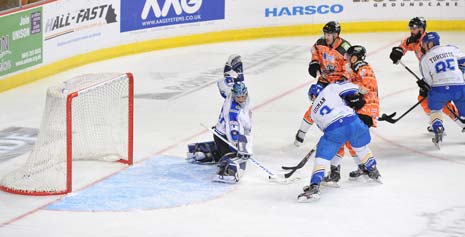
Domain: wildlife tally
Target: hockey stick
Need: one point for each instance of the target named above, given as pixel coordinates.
(390, 119)
(271, 175)
(298, 166)
(419, 79)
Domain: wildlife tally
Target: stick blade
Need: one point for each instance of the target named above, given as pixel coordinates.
(388, 118)
(279, 178)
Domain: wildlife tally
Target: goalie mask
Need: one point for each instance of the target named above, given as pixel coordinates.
(239, 92)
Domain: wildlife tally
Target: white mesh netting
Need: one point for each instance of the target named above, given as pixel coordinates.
(99, 132)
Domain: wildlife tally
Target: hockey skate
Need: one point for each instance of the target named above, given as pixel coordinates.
(311, 193)
(333, 177)
(374, 175)
(230, 169)
(437, 139)
(225, 179)
(430, 129)
(226, 176)
(354, 175)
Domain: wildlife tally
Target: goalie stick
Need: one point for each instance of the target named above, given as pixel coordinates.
(272, 176)
(298, 166)
(419, 79)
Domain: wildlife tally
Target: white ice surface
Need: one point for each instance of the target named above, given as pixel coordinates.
(423, 192)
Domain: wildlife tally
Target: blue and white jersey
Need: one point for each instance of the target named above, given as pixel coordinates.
(234, 119)
(225, 85)
(329, 106)
(440, 66)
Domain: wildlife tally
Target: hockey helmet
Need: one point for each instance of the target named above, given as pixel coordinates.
(417, 22)
(356, 50)
(431, 37)
(314, 90)
(332, 27)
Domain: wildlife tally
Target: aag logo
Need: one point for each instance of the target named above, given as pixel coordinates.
(141, 14)
(188, 6)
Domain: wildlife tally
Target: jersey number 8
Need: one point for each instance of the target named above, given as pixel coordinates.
(443, 66)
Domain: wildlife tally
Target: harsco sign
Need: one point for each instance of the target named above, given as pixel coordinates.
(303, 10)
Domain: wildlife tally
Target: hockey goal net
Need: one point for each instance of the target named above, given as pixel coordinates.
(89, 117)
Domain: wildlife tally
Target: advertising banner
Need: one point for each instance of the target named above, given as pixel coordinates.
(20, 40)
(142, 14)
(76, 27)
(272, 13)
(379, 10)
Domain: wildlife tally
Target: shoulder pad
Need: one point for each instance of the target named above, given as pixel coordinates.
(321, 41)
(341, 82)
(453, 46)
(345, 44)
(343, 47)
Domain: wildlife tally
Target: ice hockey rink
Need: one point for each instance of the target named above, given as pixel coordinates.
(162, 195)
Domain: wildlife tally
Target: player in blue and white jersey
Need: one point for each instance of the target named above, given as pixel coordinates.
(207, 152)
(333, 113)
(441, 68)
(234, 124)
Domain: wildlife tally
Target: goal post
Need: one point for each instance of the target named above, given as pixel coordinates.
(89, 117)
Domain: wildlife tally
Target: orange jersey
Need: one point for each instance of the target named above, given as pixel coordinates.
(331, 59)
(408, 45)
(307, 117)
(364, 77)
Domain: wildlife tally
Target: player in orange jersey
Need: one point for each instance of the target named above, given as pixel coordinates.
(362, 75)
(417, 27)
(327, 65)
(328, 55)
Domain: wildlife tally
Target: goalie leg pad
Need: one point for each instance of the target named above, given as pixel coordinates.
(230, 168)
(203, 152)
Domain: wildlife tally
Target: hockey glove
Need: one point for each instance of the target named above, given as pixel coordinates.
(424, 88)
(355, 101)
(231, 74)
(243, 155)
(413, 39)
(299, 138)
(396, 54)
(313, 68)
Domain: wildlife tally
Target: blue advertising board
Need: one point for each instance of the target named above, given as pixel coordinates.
(142, 14)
